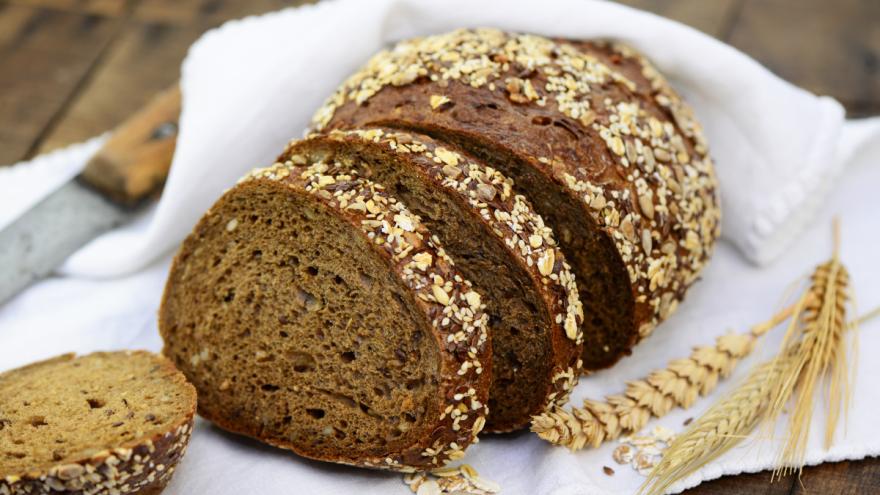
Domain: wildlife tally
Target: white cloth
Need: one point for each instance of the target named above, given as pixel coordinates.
(252, 84)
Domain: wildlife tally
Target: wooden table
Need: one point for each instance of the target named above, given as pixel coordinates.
(71, 69)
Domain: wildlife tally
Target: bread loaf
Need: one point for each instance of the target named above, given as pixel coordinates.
(105, 423)
(606, 151)
(497, 241)
(314, 312)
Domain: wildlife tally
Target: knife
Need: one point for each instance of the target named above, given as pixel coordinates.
(124, 175)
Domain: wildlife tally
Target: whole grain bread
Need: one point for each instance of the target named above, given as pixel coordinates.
(104, 423)
(314, 312)
(497, 241)
(591, 133)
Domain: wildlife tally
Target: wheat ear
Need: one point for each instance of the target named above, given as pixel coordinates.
(821, 353)
(813, 349)
(720, 428)
(677, 385)
(728, 421)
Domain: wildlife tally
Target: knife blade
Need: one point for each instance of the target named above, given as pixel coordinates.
(124, 175)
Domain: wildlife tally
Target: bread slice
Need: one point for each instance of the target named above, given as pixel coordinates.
(606, 151)
(497, 242)
(108, 422)
(314, 312)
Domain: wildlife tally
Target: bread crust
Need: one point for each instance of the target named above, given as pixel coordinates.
(595, 119)
(488, 194)
(142, 466)
(453, 311)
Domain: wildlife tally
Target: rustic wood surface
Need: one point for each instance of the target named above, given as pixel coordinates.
(70, 69)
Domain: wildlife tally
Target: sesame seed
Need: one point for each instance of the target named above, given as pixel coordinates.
(571, 327)
(646, 204)
(662, 155)
(646, 240)
(535, 240)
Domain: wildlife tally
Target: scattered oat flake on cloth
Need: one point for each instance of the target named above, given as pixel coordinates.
(643, 452)
(461, 479)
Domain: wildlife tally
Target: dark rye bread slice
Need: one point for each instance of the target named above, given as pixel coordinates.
(104, 423)
(606, 151)
(497, 241)
(313, 312)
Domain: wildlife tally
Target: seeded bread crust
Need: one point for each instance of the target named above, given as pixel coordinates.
(141, 467)
(488, 194)
(595, 119)
(453, 309)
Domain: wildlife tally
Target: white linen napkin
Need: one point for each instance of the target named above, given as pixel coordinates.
(80, 314)
(252, 84)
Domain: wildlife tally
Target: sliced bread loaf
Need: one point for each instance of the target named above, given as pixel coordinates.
(606, 151)
(312, 311)
(497, 241)
(105, 423)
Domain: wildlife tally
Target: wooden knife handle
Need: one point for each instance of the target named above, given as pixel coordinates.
(133, 164)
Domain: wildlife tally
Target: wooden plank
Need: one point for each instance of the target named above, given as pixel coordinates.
(112, 8)
(710, 17)
(145, 60)
(189, 11)
(44, 55)
(827, 47)
(744, 484)
(841, 478)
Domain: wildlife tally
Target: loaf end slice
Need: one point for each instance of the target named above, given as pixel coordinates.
(314, 312)
(108, 422)
(497, 241)
(608, 154)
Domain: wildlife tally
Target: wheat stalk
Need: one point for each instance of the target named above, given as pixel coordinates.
(812, 349)
(678, 385)
(822, 353)
(721, 427)
(730, 420)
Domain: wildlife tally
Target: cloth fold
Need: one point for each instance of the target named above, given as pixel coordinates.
(786, 159)
(252, 84)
